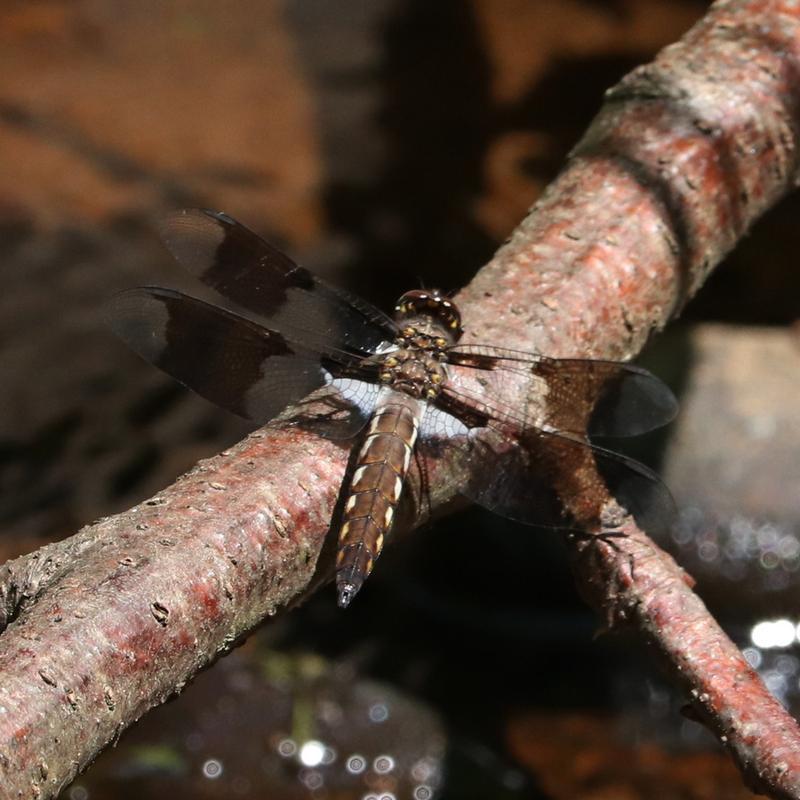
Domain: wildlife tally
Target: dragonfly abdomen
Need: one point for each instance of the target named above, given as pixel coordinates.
(375, 490)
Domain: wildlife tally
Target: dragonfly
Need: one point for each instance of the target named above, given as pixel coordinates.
(514, 426)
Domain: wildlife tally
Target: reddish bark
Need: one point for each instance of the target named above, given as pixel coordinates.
(685, 154)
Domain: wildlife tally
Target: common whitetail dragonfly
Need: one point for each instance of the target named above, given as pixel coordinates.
(514, 426)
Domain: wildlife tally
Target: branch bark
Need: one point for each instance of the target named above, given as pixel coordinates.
(686, 153)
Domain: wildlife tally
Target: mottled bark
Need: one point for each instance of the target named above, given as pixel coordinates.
(684, 156)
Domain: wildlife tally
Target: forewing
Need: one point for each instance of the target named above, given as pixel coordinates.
(242, 267)
(231, 361)
(575, 396)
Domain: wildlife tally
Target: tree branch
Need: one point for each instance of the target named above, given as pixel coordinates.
(686, 153)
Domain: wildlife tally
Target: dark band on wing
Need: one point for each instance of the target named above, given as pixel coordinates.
(602, 398)
(232, 259)
(249, 370)
(473, 360)
(244, 268)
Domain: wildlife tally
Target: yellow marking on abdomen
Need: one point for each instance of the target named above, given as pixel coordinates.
(367, 444)
(357, 476)
(407, 457)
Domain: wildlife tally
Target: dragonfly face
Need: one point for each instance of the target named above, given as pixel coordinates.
(513, 426)
(432, 312)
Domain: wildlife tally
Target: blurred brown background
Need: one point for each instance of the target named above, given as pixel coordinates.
(382, 143)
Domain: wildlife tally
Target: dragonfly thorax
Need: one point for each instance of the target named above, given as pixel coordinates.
(416, 367)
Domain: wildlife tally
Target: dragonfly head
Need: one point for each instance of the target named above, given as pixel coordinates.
(432, 306)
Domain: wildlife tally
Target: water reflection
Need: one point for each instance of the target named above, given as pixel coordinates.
(212, 769)
(265, 724)
(768, 634)
(312, 753)
(764, 554)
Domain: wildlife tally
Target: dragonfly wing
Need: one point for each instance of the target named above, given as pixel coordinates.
(538, 476)
(242, 267)
(243, 367)
(579, 396)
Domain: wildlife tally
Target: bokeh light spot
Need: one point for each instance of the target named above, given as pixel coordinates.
(212, 769)
(312, 753)
(356, 764)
